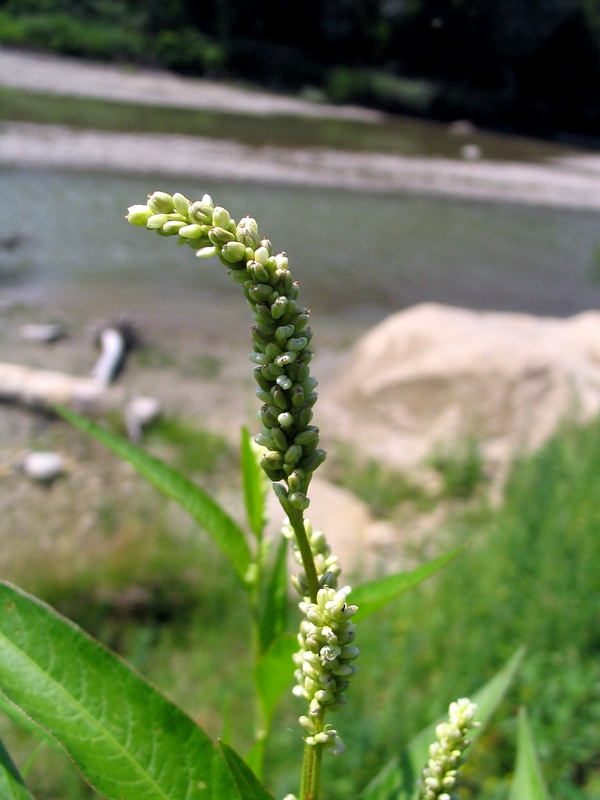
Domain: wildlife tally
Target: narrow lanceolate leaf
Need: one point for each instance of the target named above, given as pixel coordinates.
(274, 673)
(129, 741)
(372, 596)
(398, 779)
(272, 612)
(528, 782)
(226, 533)
(247, 784)
(255, 486)
(12, 786)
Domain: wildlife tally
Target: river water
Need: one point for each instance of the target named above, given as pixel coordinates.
(354, 253)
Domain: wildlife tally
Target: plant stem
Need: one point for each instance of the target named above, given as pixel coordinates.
(311, 772)
(297, 522)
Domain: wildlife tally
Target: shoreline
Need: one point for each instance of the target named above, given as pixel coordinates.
(569, 182)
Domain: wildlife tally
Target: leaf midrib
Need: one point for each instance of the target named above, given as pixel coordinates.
(86, 713)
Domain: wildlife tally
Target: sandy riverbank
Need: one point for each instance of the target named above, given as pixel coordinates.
(572, 182)
(72, 77)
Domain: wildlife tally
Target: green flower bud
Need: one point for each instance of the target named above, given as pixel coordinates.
(279, 439)
(238, 275)
(279, 397)
(219, 236)
(297, 344)
(272, 350)
(259, 358)
(264, 441)
(206, 252)
(308, 436)
(193, 231)
(300, 322)
(181, 203)
(172, 227)
(266, 243)
(293, 454)
(260, 292)
(221, 218)
(261, 255)
(281, 261)
(284, 382)
(156, 221)
(138, 215)
(160, 203)
(273, 459)
(286, 358)
(305, 416)
(247, 233)
(299, 500)
(283, 333)
(264, 397)
(233, 252)
(296, 480)
(201, 213)
(279, 307)
(314, 460)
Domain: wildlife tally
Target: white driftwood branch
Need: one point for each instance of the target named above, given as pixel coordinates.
(40, 388)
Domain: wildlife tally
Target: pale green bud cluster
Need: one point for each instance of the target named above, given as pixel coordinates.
(323, 662)
(440, 777)
(326, 737)
(326, 565)
(280, 335)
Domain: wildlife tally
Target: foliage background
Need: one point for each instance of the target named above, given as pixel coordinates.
(521, 65)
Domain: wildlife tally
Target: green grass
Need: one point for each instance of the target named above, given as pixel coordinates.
(400, 135)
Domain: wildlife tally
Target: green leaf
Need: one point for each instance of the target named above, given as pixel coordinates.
(26, 724)
(528, 782)
(12, 786)
(247, 784)
(398, 779)
(226, 533)
(274, 673)
(372, 596)
(129, 741)
(272, 612)
(255, 486)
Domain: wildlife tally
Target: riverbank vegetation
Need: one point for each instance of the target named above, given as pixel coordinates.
(529, 577)
(505, 64)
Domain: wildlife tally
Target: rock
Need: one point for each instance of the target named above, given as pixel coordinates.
(43, 467)
(433, 375)
(45, 334)
(139, 413)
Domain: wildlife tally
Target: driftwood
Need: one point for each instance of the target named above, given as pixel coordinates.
(40, 388)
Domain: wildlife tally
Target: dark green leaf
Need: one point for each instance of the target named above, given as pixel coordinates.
(273, 674)
(248, 785)
(11, 783)
(528, 782)
(272, 613)
(226, 533)
(255, 486)
(371, 596)
(129, 741)
(398, 779)
(223, 785)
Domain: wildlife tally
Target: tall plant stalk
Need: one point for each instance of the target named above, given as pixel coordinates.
(281, 355)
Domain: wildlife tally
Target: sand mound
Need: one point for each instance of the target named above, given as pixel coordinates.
(433, 375)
